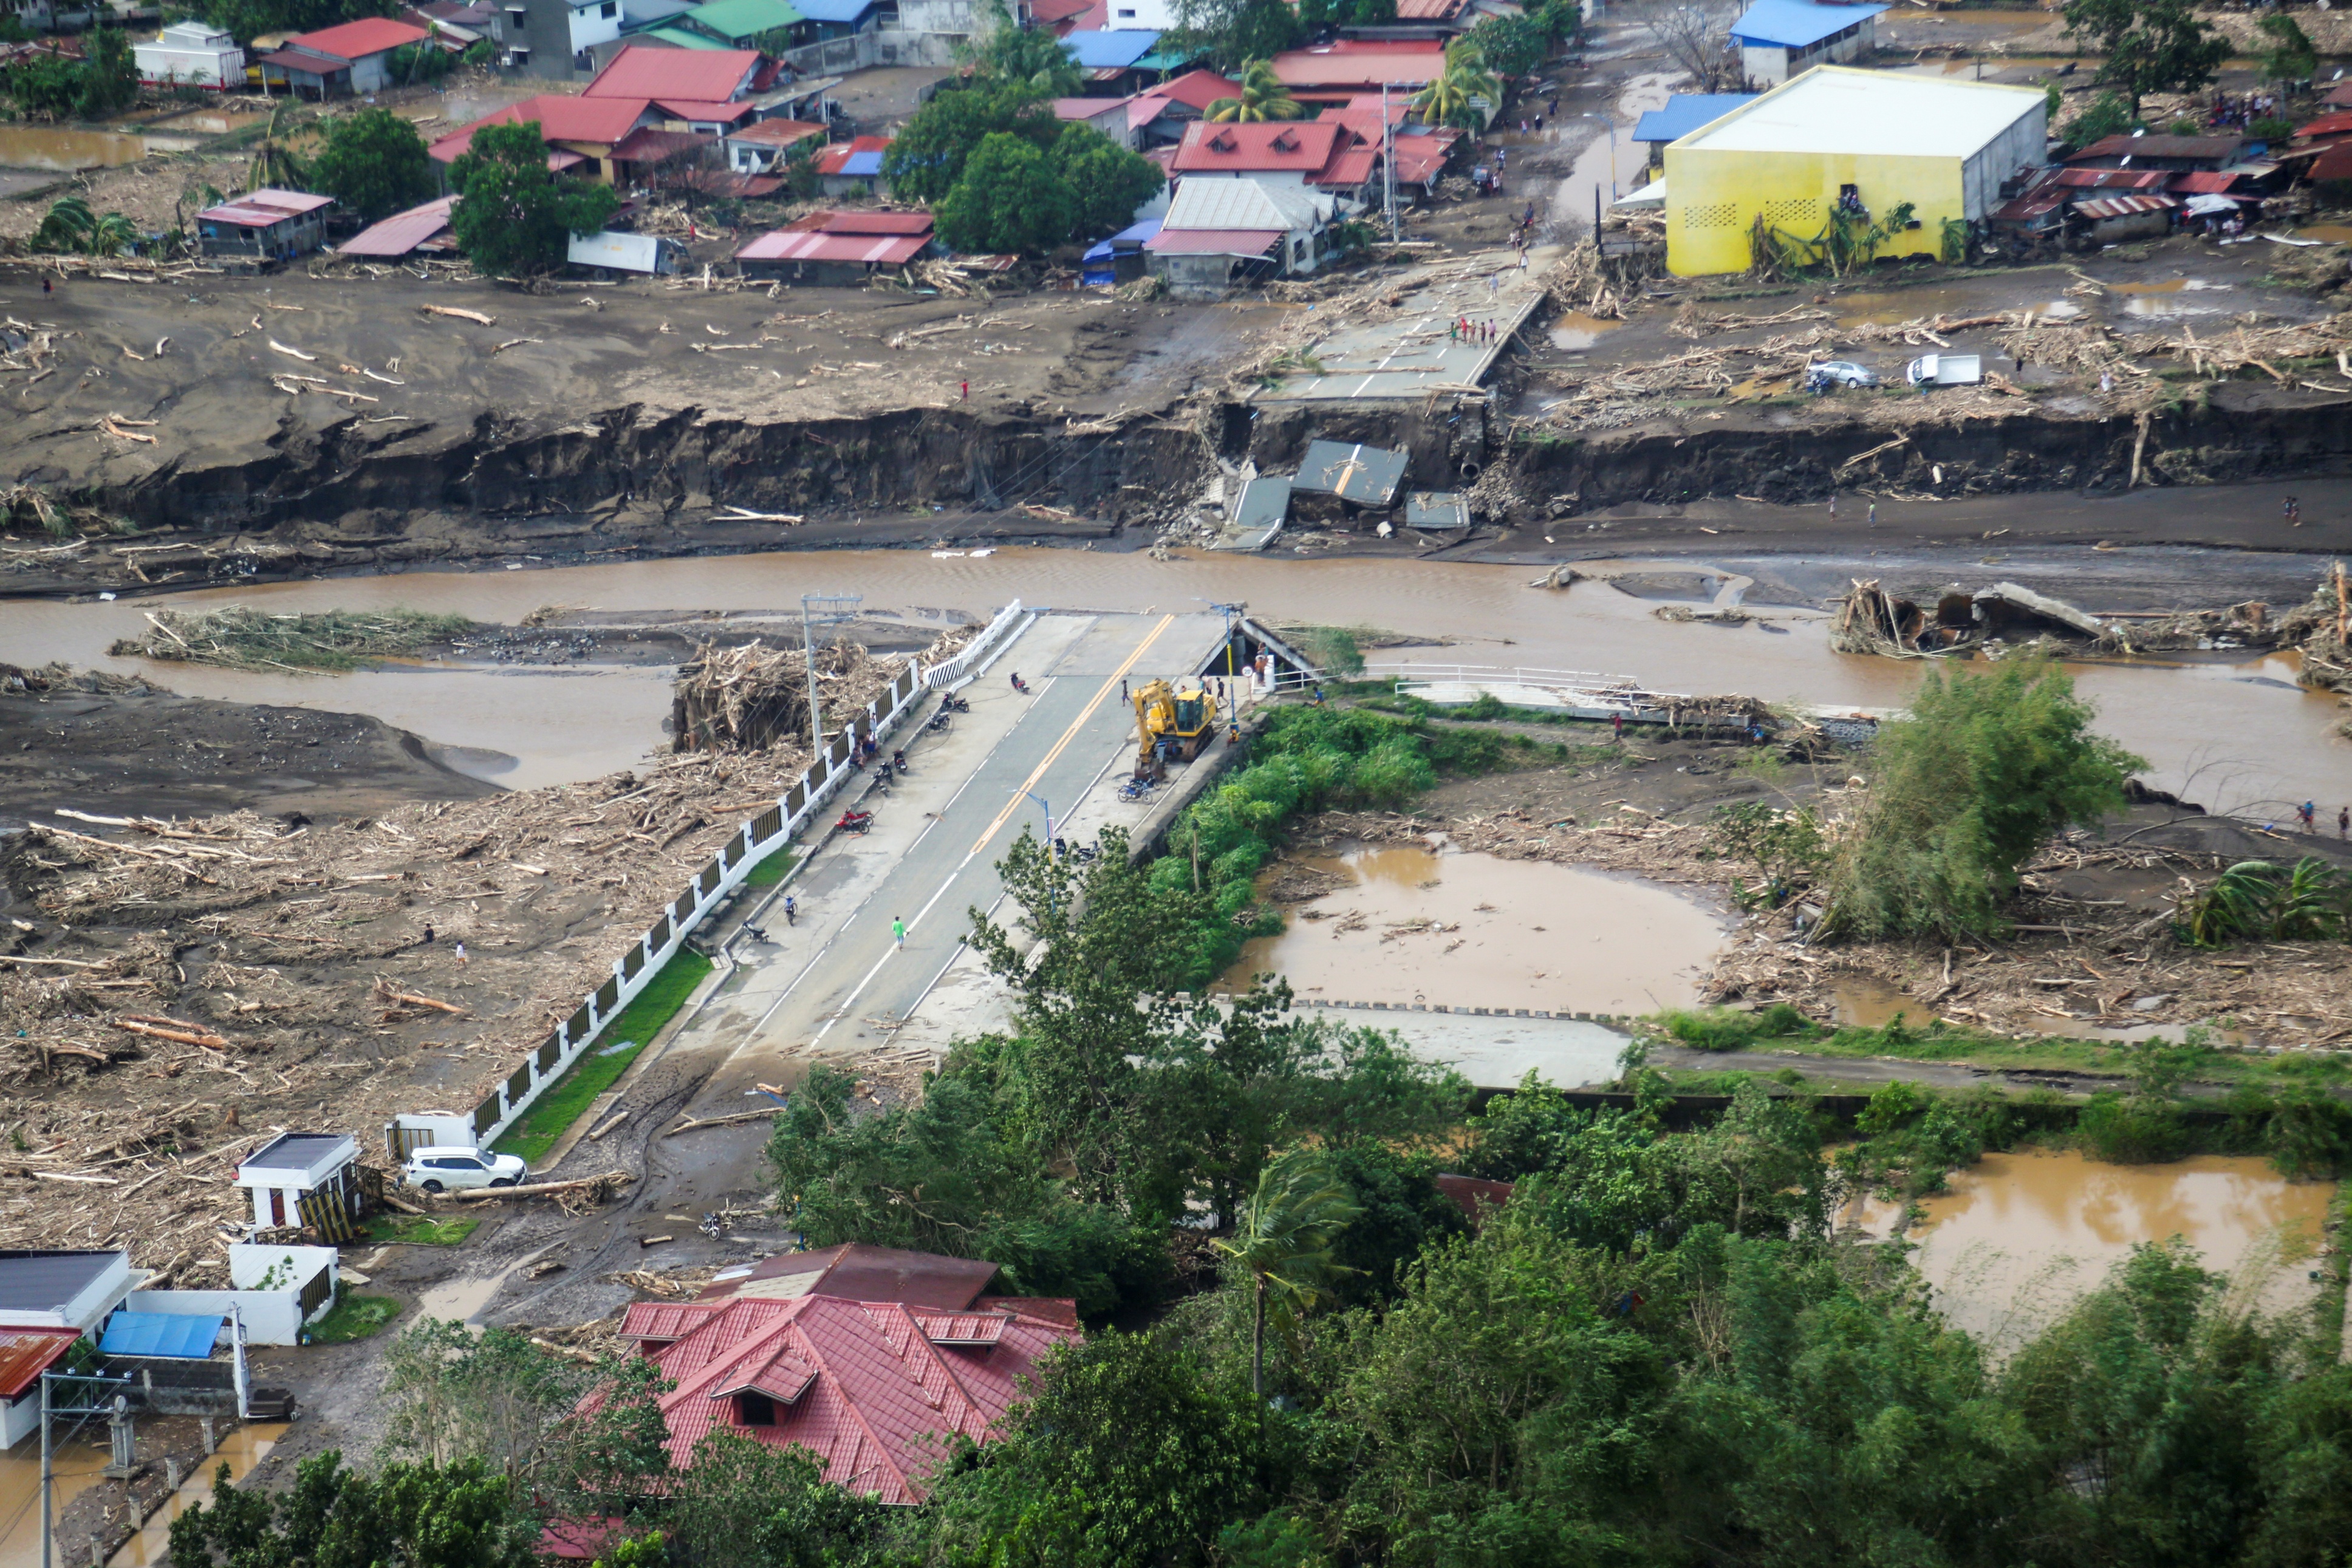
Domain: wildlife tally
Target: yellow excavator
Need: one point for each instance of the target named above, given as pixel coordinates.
(1172, 722)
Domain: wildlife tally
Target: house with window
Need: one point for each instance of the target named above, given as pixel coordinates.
(1337, 156)
(841, 250)
(1778, 40)
(875, 1388)
(761, 147)
(191, 54)
(264, 225)
(580, 131)
(305, 1179)
(854, 168)
(1157, 116)
(1219, 233)
(355, 57)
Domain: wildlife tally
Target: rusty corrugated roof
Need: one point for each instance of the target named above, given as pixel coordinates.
(26, 1354)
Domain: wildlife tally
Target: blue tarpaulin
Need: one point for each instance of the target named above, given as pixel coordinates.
(186, 1335)
(1795, 24)
(1117, 50)
(1128, 238)
(862, 164)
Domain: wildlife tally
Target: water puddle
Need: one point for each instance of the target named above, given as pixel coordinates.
(1572, 330)
(2340, 232)
(241, 1449)
(65, 149)
(1614, 163)
(464, 1301)
(76, 1466)
(1411, 925)
(2020, 1237)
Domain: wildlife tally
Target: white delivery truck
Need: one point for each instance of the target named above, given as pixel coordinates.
(606, 253)
(1945, 371)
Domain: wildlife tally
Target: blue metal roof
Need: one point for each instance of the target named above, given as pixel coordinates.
(1110, 50)
(1795, 24)
(1130, 238)
(189, 1337)
(834, 10)
(1685, 112)
(864, 165)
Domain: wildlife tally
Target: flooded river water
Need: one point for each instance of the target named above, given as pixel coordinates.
(1411, 924)
(2230, 733)
(2022, 1236)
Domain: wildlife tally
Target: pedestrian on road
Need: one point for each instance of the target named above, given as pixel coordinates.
(1123, 697)
(790, 909)
(1538, 125)
(2343, 821)
(1552, 107)
(1834, 506)
(2295, 511)
(898, 931)
(45, 288)
(2307, 811)
(1617, 727)
(428, 936)
(1873, 513)
(461, 952)
(966, 389)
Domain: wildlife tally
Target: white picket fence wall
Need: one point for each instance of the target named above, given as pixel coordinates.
(754, 841)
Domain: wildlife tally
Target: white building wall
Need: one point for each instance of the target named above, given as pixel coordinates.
(204, 68)
(955, 18)
(1145, 16)
(2025, 144)
(598, 21)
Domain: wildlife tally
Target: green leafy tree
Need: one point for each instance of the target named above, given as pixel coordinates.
(2291, 57)
(2109, 114)
(109, 75)
(513, 218)
(250, 19)
(1977, 777)
(45, 86)
(1231, 32)
(1465, 82)
(1106, 182)
(926, 160)
(373, 164)
(1008, 198)
(1263, 96)
(1284, 1243)
(1132, 1451)
(1031, 59)
(418, 1516)
(2150, 46)
(1512, 45)
(67, 226)
(763, 1505)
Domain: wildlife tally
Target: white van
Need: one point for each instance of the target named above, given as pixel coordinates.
(606, 253)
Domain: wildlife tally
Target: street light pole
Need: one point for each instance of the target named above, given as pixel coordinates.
(816, 609)
(1388, 165)
(1050, 856)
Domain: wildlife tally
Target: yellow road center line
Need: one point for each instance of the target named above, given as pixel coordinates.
(1072, 732)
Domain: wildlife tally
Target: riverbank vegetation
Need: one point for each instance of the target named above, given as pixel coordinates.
(239, 637)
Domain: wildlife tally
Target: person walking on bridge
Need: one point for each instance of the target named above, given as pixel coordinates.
(898, 931)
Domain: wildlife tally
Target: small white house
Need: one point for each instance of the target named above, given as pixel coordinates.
(63, 1289)
(194, 54)
(25, 1354)
(277, 1291)
(305, 1178)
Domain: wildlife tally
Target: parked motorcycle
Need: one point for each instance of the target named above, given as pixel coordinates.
(954, 704)
(854, 822)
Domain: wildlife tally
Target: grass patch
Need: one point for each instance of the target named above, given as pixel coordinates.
(418, 1230)
(353, 1317)
(769, 872)
(239, 638)
(596, 1071)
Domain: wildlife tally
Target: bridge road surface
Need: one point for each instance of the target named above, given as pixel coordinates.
(814, 991)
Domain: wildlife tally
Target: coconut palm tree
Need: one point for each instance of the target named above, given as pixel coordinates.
(1447, 101)
(1265, 95)
(273, 161)
(1284, 1241)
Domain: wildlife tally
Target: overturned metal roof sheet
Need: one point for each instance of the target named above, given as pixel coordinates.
(1437, 510)
(1367, 475)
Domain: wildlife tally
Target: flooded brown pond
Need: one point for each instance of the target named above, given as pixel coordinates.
(240, 1450)
(2022, 1236)
(1410, 924)
(77, 1465)
(2230, 734)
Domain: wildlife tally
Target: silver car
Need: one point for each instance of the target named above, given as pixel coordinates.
(1837, 373)
(441, 1168)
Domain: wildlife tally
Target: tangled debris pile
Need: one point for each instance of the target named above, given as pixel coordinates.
(171, 991)
(2007, 619)
(753, 696)
(239, 637)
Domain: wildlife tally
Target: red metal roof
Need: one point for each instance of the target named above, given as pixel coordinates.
(403, 232)
(2112, 179)
(1198, 89)
(662, 1322)
(1051, 11)
(853, 1256)
(597, 121)
(718, 111)
(2327, 125)
(853, 1269)
(306, 61)
(2202, 182)
(1358, 64)
(1268, 146)
(2026, 209)
(260, 209)
(1470, 1194)
(1213, 242)
(861, 1385)
(357, 41)
(695, 76)
(1349, 168)
(777, 132)
(1419, 159)
(26, 1354)
(2123, 206)
(2217, 148)
(2336, 163)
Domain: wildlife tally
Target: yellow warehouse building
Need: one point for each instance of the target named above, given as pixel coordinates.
(1875, 137)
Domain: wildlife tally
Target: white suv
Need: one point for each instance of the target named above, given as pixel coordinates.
(436, 1170)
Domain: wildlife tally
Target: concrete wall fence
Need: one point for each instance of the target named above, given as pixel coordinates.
(754, 841)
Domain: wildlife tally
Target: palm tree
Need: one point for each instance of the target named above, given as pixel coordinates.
(1265, 95)
(273, 161)
(1448, 100)
(1284, 1241)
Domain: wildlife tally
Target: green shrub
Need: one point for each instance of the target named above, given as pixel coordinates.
(2132, 1130)
(1734, 1029)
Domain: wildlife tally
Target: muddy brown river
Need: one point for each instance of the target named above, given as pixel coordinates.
(2231, 734)
(2022, 1236)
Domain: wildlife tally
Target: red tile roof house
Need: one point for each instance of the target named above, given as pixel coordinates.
(578, 132)
(1334, 73)
(877, 1390)
(840, 250)
(353, 58)
(703, 91)
(1327, 155)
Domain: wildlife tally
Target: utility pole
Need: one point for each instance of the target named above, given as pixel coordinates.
(1388, 165)
(821, 609)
